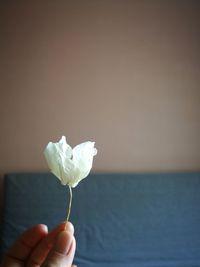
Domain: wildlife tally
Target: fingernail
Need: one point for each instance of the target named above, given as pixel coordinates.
(63, 242)
(69, 227)
(45, 227)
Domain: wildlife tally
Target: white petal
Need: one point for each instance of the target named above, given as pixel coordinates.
(67, 171)
(83, 158)
(57, 155)
(64, 148)
(52, 159)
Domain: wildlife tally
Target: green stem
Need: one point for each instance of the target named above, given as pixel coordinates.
(70, 204)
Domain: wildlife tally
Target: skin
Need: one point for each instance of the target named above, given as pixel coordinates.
(36, 247)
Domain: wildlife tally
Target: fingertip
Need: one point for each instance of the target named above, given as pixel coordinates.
(38, 230)
(65, 226)
(43, 228)
(69, 227)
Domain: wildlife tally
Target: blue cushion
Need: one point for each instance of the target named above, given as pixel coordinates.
(121, 220)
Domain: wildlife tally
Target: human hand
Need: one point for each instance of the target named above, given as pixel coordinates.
(36, 247)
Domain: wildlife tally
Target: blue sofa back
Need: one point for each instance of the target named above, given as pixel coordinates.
(121, 220)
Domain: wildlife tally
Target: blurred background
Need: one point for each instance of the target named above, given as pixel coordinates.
(124, 74)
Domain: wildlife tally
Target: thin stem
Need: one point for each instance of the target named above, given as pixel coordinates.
(70, 204)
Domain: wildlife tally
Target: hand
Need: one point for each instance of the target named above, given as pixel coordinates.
(36, 247)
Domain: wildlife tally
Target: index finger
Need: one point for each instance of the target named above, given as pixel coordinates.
(23, 246)
(41, 251)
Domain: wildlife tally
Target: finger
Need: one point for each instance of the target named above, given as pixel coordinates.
(41, 251)
(62, 253)
(23, 246)
(72, 249)
(69, 227)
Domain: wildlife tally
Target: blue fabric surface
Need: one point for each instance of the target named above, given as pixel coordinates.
(129, 220)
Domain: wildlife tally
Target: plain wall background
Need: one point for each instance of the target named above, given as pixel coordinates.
(125, 74)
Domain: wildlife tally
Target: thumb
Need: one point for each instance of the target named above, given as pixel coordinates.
(62, 253)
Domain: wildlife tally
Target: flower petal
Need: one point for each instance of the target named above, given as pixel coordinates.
(83, 158)
(67, 171)
(64, 148)
(52, 159)
(57, 155)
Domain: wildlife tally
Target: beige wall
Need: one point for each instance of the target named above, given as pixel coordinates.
(125, 74)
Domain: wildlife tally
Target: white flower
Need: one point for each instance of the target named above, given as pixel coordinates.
(69, 165)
